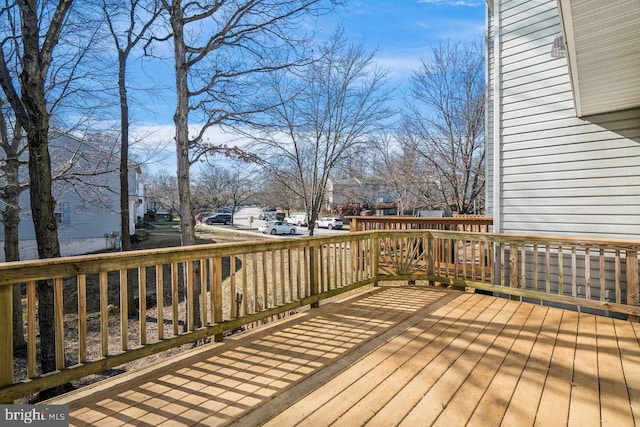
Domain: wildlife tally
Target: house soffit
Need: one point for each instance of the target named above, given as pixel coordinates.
(603, 52)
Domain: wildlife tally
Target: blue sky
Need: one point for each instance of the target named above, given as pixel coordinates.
(404, 31)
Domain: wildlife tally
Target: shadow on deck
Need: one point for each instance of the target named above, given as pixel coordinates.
(410, 356)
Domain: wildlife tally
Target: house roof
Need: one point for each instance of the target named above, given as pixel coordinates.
(603, 51)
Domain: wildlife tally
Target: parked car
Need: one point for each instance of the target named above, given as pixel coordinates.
(219, 218)
(272, 216)
(329, 222)
(277, 227)
(203, 215)
(267, 216)
(297, 219)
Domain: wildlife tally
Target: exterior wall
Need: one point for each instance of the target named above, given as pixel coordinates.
(69, 247)
(86, 222)
(555, 173)
(136, 199)
(89, 208)
(489, 79)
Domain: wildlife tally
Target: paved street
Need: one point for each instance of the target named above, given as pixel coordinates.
(241, 219)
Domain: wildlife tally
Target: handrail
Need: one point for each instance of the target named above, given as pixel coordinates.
(268, 279)
(599, 274)
(474, 223)
(249, 282)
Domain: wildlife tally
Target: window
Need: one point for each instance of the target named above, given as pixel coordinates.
(62, 213)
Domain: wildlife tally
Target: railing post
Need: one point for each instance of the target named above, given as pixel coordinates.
(6, 337)
(375, 258)
(431, 258)
(513, 268)
(632, 282)
(216, 293)
(313, 275)
(353, 225)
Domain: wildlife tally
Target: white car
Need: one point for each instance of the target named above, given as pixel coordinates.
(297, 219)
(277, 227)
(330, 223)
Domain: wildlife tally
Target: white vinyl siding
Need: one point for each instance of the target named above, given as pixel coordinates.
(560, 174)
(89, 210)
(489, 115)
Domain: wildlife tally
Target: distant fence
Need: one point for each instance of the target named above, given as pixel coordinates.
(471, 223)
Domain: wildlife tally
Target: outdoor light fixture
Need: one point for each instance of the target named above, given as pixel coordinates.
(558, 50)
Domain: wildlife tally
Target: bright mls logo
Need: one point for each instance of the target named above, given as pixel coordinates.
(43, 415)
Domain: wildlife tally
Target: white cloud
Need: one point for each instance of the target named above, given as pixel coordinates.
(400, 65)
(155, 144)
(453, 3)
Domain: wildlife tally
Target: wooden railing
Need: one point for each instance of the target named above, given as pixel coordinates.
(243, 283)
(596, 274)
(471, 223)
(231, 284)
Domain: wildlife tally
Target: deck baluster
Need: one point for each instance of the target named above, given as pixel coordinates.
(6, 338)
(632, 282)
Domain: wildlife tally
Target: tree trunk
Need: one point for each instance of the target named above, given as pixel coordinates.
(46, 229)
(29, 104)
(124, 154)
(181, 120)
(36, 124)
(132, 309)
(11, 220)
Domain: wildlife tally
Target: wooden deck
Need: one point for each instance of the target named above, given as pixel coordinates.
(411, 356)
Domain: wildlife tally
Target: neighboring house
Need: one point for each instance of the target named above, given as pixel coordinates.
(344, 192)
(87, 199)
(563, 128)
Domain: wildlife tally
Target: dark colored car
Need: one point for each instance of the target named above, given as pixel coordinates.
(220, 218)
(272, 216)
(267, 216)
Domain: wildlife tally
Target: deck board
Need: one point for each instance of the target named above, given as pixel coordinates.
(614, 397)
(373, 399)
(585, 407)
(628, 342)
(492, 405)
(474, 357)
(493, 381)
(394, 355)
(554, 403)
(404, 401)
(389, 385)
(525, 400)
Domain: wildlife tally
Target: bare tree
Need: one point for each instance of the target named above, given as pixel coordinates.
(32, 30)
(14, 183)
(230, 185)
(239, 186)
(206, 190)
(215, 72)
(161, 192)
(219, 48)
(444, 122)
(324, 112)
(409, 179)
(272, 191)
(129, 23)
